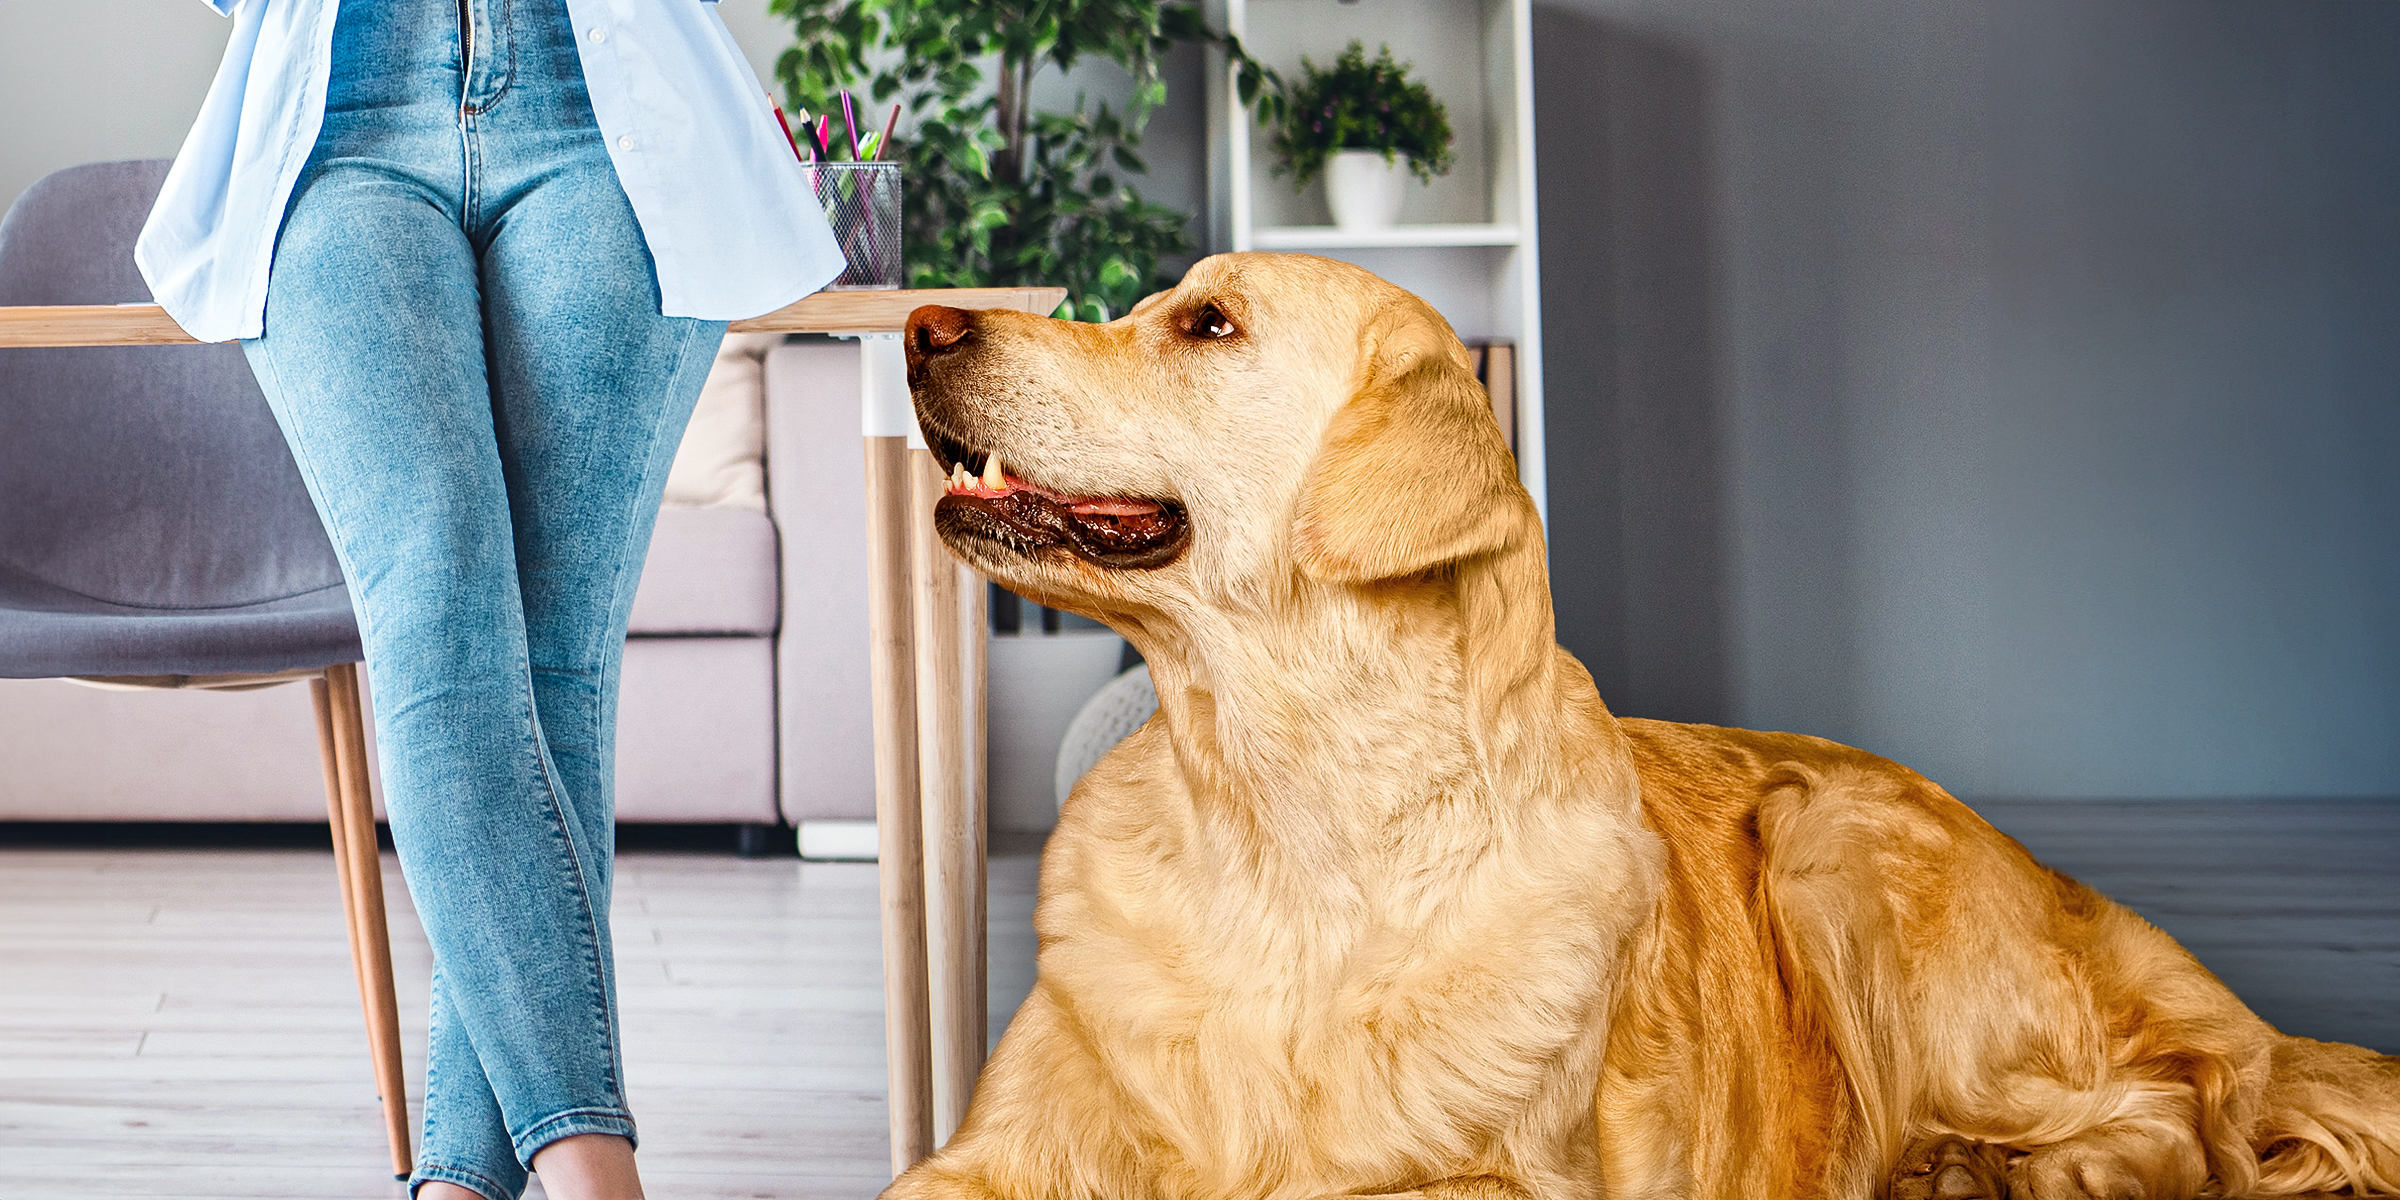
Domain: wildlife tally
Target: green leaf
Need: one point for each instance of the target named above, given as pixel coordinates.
(1356, 105)
(976, 210)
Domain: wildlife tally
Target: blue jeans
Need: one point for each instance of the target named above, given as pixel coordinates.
(463, 345)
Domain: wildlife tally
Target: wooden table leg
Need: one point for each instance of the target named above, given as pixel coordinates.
(954, 822)
(976, 621)
(900, 854)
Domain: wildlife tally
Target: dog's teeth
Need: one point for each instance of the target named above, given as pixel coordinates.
(993, 476)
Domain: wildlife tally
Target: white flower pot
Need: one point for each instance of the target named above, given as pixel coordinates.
(1364, 190)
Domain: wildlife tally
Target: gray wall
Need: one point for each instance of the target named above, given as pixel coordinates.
(2011, 389)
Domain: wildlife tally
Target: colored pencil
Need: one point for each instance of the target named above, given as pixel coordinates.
(888, 126)
(786, 122)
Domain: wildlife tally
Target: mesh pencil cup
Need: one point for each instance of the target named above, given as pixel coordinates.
(862, 202)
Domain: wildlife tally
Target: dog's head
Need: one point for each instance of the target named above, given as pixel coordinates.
(1271, 421)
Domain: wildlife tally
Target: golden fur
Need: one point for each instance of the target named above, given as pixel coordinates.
(1385, 901)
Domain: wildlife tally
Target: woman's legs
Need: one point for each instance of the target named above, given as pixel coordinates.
(374, 362)
(464, 348)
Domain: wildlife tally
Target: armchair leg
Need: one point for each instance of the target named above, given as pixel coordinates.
(358, 863)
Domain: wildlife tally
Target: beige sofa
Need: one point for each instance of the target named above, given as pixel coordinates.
(745, 685)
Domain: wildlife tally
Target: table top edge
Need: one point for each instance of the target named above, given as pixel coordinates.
(63, 325)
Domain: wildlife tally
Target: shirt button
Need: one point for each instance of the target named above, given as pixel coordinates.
(625, 143)
(599, 35)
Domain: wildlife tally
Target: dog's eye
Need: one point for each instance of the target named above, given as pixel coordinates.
(1207, 321)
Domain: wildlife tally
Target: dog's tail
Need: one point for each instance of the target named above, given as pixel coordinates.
(2332, 1121)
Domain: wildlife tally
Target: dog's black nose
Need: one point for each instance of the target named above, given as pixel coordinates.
(937, 329)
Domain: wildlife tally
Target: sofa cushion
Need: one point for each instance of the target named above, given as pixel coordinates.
(718, 462)
(711, 571)
(696, 731)
(695, 742)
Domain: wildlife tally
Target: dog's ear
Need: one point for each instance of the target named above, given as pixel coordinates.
(1412, 472)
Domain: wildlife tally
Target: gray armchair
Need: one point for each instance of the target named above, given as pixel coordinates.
(155, 533)
(746, 686)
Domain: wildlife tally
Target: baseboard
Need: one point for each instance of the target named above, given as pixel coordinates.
(838, 841)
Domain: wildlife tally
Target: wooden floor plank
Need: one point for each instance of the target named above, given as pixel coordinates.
(185, 1023)
(2295, 905)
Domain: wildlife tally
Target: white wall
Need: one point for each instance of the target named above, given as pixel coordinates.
(93, 80)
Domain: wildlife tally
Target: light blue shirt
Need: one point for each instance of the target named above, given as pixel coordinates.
(729, 217)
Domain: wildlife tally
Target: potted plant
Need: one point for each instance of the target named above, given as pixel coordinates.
(998, 192)
(1359, 123)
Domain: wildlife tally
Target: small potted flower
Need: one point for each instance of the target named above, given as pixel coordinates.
(1358, 123)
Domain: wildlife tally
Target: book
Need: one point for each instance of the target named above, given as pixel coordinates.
(1495, 364)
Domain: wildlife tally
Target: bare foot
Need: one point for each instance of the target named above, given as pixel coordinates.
(587, 1166)
(1951, 1168)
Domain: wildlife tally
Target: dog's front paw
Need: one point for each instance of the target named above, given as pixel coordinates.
(929, 1180)
(1462, 1187)
(1950, 1168)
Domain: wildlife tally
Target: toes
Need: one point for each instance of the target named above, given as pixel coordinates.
(2070, 1172)
(1957, 1181)
(1950, 1169)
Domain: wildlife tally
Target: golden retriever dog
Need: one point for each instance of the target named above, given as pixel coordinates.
(1384, 901)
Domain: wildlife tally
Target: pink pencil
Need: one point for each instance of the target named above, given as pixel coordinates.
(885, 142)
(850, 123)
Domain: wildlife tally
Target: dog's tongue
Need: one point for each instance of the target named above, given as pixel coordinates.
(1082, 506)
(1118, 531)
(1110, 506)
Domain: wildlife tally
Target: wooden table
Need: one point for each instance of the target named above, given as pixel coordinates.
(926, 624)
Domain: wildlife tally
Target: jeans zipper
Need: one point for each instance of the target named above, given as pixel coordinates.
(466, 55)
(466, 111)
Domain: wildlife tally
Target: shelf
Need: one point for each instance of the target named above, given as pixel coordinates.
(1471, 253)
(1328, 237)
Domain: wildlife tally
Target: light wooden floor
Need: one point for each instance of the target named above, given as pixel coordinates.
(183, 1023)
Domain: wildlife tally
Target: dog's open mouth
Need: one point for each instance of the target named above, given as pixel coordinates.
(983, 499)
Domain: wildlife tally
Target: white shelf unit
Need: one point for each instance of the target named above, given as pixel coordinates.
(1465, 242)
(1328, 237)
